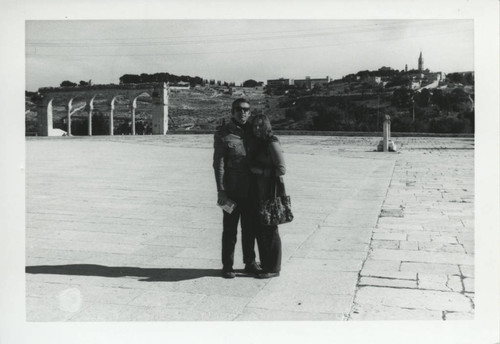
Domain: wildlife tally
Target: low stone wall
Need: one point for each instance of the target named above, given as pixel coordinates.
(334, 133)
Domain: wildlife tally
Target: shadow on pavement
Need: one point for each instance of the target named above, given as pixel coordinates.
(145, 274)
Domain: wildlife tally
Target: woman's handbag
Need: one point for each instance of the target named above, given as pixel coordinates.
(278, 208)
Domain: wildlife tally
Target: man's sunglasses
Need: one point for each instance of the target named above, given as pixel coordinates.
(244, 109)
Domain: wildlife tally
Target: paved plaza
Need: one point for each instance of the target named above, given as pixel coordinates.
(126, 229)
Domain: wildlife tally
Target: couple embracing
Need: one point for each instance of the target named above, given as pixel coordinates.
(247, 159)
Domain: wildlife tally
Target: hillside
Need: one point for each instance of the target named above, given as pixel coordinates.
(204, 108)
(350, 104)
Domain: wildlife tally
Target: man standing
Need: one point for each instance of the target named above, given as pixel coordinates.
(232, 176)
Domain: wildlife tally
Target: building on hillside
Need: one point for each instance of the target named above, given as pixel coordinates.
(415, 84)
(437, 76)
(279, 82)
(311, 83)
(373, 80)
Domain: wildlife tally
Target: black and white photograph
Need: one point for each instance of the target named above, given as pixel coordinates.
(323, 172)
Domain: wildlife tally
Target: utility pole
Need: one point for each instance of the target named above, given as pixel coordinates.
(413, 108)
(378, 106)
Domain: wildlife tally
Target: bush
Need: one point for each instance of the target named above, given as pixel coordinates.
(447, 124)
(402, 124)
(124, 128)
(469, 116)
(100, 124)
(329, 118)
(80, 127)
(296, 114)
(30, 126)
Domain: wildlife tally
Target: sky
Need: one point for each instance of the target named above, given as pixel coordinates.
(238, 50)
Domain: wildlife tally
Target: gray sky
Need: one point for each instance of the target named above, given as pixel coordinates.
(237, 50)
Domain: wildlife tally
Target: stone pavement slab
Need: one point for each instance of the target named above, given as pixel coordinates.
(126, 228)
(407, 298)
(423, 239)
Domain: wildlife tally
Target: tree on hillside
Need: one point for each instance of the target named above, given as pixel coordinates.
(386, 72)
(440, 99)
(364, 74)
(402, 97)
(159, 77)
(250, 83)
(130, 79)
(423, 98)
(67, 83)
(458, 95)
(469, 79)
(317, 88)
(328, 118)
(462, 78)
(399, 80)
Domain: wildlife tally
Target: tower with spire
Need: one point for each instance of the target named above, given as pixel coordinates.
(420, 63)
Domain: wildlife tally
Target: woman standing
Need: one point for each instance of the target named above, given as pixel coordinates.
(267, 163)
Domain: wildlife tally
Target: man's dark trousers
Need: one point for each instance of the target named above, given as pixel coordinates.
(245, 212)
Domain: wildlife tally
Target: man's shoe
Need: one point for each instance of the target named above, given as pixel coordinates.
(268, 275)
(253, 268)
(228, 274)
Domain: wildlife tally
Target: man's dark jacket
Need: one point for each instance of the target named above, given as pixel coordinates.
(232, 172)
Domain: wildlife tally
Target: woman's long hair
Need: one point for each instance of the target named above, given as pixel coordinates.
(266, 128)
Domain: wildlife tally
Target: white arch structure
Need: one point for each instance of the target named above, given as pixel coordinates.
(158, 91)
